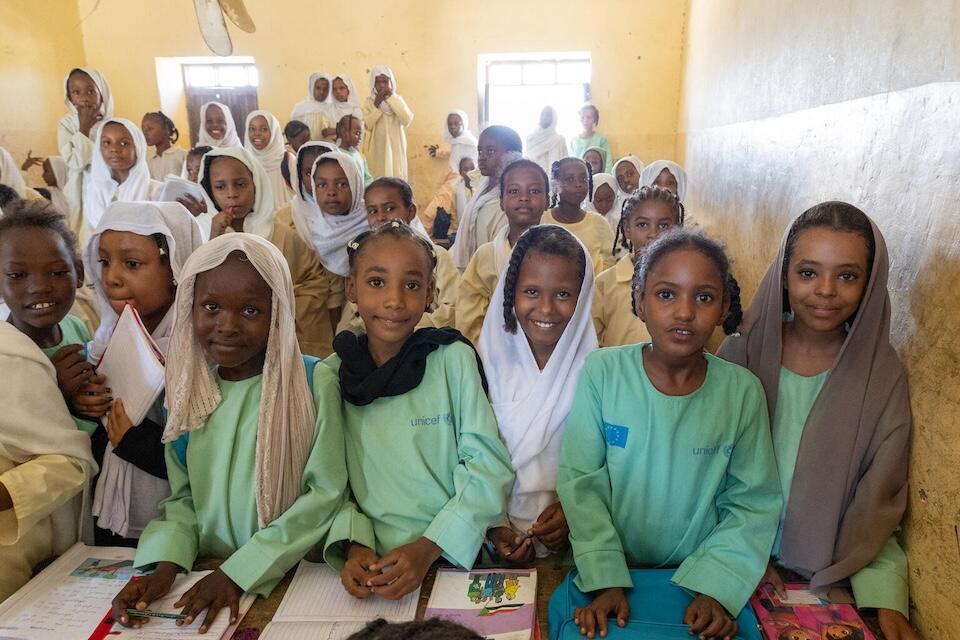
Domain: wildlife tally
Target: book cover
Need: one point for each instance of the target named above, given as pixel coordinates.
(803, 616)
(499, 604)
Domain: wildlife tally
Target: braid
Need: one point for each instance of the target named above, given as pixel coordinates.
(395, 229)
(510, 279)
(643, 194)
(172, 132)
(735, 315)
(555, 172)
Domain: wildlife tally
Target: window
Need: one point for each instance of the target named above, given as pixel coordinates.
(210, 76)
(514, 89)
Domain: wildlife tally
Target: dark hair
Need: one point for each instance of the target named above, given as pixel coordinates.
(429, 629)
(509, 138)
(394, 229)
(302, 154)
(837, 216)
(641, 195)
(8, 195)
(406, 192)
(345, 121)
(523, 163)
(676, 240)
(40, 214)
(550, 240)
(592, 107)
(294, 128)
(555, 172)
(200, 151)
(207, 166)
(172, 132)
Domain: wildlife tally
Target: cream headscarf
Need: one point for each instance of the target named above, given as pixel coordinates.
(612, 216)
(464, 145)
(310, 105)
(270, 158)
(637, 164)
(259, 221)
(650, 173)
(350, 107)
(106, 97)
(230, 137)
(383, 70)
(100, 189)
(287, 413)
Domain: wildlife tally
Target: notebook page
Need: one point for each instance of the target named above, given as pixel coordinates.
(131, 366)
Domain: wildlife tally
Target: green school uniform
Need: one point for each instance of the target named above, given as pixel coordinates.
(72, 331)
(579, 146)
(881, 584)
(426, 463)
(657, 480)
(212, 511)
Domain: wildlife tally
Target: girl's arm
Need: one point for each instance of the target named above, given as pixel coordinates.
(883, 584)
(141, 445)
(401, 110)
(371, 115)
(311, 292)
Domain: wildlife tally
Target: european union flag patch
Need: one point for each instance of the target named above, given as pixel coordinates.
(616, 435)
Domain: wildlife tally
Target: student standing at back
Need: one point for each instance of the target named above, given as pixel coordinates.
(217, 127)
(314, 110)
(89, 102)
(345, 102)
(264, 142)
(455, 191)
(349, 139)
(386, 117)
(160, 133)
(545, 146)
(572, 183)
(590, 137)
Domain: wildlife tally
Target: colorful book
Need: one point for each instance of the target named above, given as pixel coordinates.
(499, 604)
(804, 616)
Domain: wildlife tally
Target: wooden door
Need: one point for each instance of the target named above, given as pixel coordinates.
(241, 100)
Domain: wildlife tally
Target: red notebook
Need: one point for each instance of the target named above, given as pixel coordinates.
(803, 616)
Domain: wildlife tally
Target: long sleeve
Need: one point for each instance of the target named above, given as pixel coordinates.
(883, 584)
(448, 284)
(371, 115)
(311, 291)
(77, 151)
(37, 488)
(400, 110)
(349, 525)
(141, 447)
(473, 299)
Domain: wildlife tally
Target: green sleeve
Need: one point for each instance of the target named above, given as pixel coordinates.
(729, 562)
(583, 484)
(883, 584)
(349, 525)
(259, 564)
(483, 478)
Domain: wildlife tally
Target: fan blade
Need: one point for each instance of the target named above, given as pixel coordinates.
(213, 28)
(237, 13)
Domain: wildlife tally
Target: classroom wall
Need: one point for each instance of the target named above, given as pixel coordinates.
(788, 104)
(432, 46)
(39, 43)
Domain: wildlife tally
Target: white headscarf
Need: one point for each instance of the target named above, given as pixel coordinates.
(99, 187)
(464, 145)
(532, 405)
(303, 204)
(649, 175)
(637, 164)
(106, 97)
(270, 158)
(545, 146)
(600, 179)
(10, 173)
(311, 105)
(329, 234)
(230, 137)
(57, 197)
(287, 417)
(350, 107)
(383, 70)
(259, 221)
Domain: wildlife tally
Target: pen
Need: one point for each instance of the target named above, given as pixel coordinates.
(147, 613)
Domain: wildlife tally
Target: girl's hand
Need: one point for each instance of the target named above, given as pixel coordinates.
(117, 423)
(221, 222)
(895, 626)
(329, 133)
(31, 161)
(194, 206)
(772, 577)
(510, 547)
(216, 591)
(593, 617)
(709, 620)
(551, 528)
(73, 370)
(432, 149)
(138, 594)
(403, 569)
(88, 117)
(356, 571)
(93, 399)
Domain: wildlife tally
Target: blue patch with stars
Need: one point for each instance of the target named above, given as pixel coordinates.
(615, 434)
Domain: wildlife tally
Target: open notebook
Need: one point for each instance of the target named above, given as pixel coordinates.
(176, 187)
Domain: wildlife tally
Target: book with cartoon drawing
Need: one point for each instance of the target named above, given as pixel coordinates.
(804, 616)
(499, 604)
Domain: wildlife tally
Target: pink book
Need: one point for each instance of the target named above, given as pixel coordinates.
(804, 616)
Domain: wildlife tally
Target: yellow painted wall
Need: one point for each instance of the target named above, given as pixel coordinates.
(788, 104)
(39, 42)
(432, 46)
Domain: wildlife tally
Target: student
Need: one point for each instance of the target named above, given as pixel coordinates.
(297, 134)
(191, 172)
(160, 133)
(545, 146)
(265, 143)
(603, 200)
(666, 174)
(523, 198)
(534, 341)
(482, 217)
(666, 459)
(218, 128)
(449, 455)
(386, 115)
(590, 137)
(389, 199)
(572, 184)
(349, 139)
(596, 158)
(818, 336)
(627, 171)
(649, 212)
(191, 166)
(450, 200)
(457, 134)
(314, 110)
(55, 177)
(455, 191)
(89, 102)
(241, 194)
(346, 102)
(10, 174)
(118, 172)
(259, 422)
(134, 257)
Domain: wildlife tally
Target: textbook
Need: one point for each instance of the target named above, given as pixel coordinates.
(176, 187)
(802, 616)
(498, 604)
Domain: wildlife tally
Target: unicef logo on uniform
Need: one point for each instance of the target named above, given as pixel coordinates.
(432, 421)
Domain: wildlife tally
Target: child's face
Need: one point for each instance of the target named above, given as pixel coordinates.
(38, 281)
(332, 189)
(117, 147)
(524, 197)
(391, 285)
(603, 198)
(682, 302)
(826, 278)
(233, 188)
(627, 176)
(133, 272)
(646, 221)
(546, 296)
(232, 315)
(308, 159)
(546, 117)
(215, 122)
(574, 183)
(595, 160)
(587, 119)
(82, 91)
(353, 134)
(299, 140)
(385, 204)
(381, 83)
(667, 181)
(193, 168)
(153, 131)
(49, 175)
(321, 89)
(454, 125)
(489, 151)
(259, 133)
(466, 166)
(341, 92)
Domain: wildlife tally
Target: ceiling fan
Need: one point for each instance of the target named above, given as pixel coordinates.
(213, 27)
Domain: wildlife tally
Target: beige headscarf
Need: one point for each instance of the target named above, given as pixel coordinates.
(287, 414)
(849, 489)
